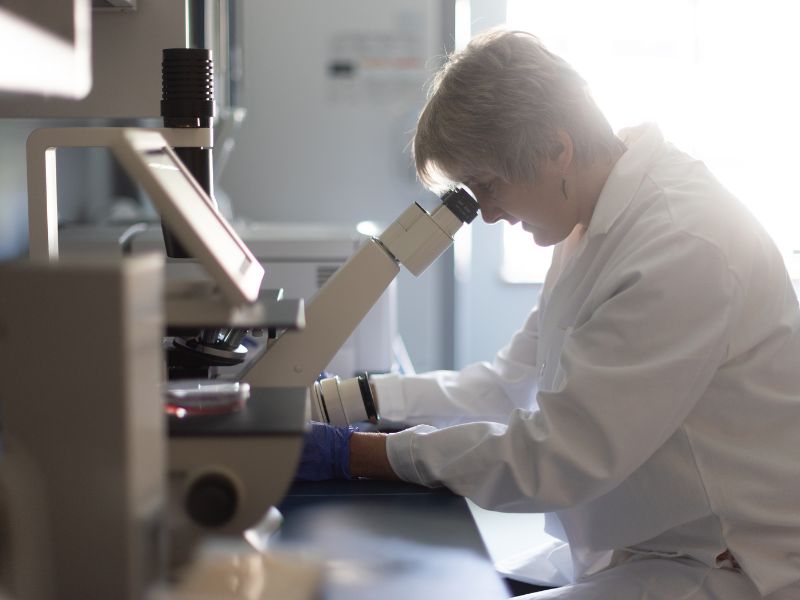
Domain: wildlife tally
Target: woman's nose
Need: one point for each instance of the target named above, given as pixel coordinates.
(490, 214)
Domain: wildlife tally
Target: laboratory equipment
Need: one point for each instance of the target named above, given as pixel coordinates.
(214, 482)
(85, 472)
(299, 259)
(187, 102)
(203, 397)
(343, 401)
(187, 107)
(346, 401)
(42, 181)
(84, 492)
(414, 240)
(216, 486)
(212, 454)
(48, 51)
(182, 202)
(123, 44)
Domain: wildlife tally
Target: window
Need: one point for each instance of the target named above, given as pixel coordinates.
(719, 77)
(523, 261)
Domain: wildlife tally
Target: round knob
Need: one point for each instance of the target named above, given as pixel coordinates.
(212, 500)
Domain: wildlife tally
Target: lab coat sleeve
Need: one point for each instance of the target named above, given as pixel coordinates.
(480, 392)
(633, 370)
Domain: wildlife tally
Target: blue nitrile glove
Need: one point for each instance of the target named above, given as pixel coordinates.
(326, 453)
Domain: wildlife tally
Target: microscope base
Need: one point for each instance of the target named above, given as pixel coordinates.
(226, 470)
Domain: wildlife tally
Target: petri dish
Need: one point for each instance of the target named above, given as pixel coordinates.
(196, 397)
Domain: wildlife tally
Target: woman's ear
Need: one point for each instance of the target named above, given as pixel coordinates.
(562, 151)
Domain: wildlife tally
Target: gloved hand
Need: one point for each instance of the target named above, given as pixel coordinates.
(326, 453)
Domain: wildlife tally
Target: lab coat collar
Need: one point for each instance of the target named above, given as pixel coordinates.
(643, 142)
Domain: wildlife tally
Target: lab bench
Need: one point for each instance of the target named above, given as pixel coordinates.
(388, 540)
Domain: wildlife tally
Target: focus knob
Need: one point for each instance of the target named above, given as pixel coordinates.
(212, 500)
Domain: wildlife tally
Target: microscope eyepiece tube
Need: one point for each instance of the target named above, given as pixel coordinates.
(187, 87)
(461, 204)
(187, 101)
(417, 238)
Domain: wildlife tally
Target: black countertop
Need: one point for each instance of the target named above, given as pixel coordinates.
(387, 540)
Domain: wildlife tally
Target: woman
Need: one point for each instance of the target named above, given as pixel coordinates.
(651, 403)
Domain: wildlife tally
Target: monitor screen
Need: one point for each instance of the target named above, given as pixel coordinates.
(190, 213)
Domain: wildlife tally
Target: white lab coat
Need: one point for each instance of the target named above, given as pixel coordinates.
(651, 403)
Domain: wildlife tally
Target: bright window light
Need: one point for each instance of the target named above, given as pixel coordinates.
(523, 261)
(463, 23)
(719, 77)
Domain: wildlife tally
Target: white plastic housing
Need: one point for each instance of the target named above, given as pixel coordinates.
(338, 401)
(41, 162)
(84, 491)
(417, 238)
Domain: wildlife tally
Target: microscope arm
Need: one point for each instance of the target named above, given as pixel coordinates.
(415, 240)
(296, 359)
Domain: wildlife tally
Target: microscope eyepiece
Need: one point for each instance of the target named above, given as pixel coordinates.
(187, 101)
(461, 204)
(187, 87)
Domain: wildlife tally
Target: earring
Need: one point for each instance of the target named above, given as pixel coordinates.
(564, 188)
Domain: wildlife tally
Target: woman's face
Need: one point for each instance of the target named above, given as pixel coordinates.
(542, 207)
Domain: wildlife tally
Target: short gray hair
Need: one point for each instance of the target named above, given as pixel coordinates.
(493, 110)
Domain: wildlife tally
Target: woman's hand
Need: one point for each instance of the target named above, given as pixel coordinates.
(342, 453)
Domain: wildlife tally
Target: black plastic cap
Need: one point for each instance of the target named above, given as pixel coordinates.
(461, 204)
(187, 83)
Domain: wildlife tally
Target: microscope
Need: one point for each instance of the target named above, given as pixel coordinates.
(226, 462)
(153, 459)
(414, 240)
(155, 467)
(188, 103)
